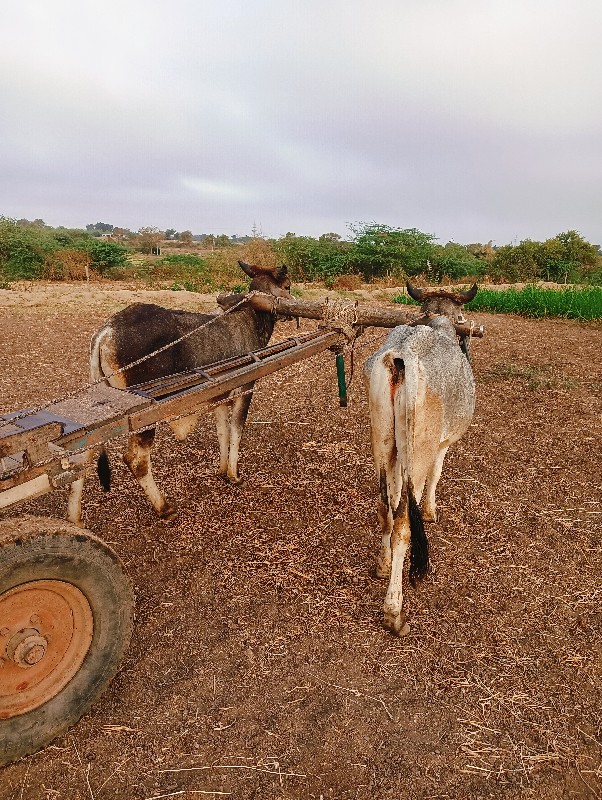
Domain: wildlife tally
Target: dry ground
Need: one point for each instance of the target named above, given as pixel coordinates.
(258, 666)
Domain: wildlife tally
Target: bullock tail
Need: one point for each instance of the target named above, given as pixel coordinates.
(103, 468)
(419, 549)
(419, 546)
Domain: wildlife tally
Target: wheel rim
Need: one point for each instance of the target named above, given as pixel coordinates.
(46, 631)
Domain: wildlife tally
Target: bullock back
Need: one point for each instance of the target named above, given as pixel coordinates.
(143, 328)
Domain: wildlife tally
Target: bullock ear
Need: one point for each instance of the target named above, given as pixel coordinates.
(466, 297)
(281, 273)
(248, 269)
(415, 293)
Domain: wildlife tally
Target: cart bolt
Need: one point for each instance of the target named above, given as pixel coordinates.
(27, 648)
(34, 619)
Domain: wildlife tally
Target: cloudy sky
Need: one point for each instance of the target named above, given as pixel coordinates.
(468, 119)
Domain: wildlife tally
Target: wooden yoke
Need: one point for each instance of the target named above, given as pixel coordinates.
(365, 315)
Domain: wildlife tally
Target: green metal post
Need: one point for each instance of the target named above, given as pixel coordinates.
(341, 380)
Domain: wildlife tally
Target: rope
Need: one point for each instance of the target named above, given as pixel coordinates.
(340, 316)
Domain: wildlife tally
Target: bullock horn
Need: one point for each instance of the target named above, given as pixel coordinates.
(468, 295)
(247, 269)
(415, 293)
(282, 272)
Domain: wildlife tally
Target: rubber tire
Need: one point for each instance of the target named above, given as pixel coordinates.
(34, 548)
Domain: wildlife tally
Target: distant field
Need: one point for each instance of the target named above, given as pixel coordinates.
(534, 301)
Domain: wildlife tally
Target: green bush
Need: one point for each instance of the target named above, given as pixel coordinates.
(23, 250)
(106, 256)
(311, 259)
(183, 260)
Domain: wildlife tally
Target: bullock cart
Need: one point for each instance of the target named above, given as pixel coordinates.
(66, 604)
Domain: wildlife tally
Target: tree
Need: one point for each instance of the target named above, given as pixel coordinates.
(313, 259)
(379, 250)
(170, 234)
(453, 261)
(521, 262)
(24, 249)
(569, 257)
(148, 238)
(185, 237)
(99, 228)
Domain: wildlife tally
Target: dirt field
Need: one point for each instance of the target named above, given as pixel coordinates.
(258, 666)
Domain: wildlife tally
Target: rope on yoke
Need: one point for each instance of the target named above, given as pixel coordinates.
(340, 316)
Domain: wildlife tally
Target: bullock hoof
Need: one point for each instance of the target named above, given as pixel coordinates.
(381, 570)
(235, 481)
(168, 513)
(396, 623)
(382, 566)
(429, 516)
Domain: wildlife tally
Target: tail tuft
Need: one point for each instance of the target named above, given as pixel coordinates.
(104, 471)
(419, 553)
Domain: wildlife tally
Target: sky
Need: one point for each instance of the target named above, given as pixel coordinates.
(471, 120)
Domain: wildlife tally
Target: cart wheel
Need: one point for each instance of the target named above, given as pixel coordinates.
(66, 611)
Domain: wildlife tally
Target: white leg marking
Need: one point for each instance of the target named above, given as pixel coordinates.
(394, 618)
(137, 457)
(221, 414)
(74, 503)
(240, 409)
(430, 505)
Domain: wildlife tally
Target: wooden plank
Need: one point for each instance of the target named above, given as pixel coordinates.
(193, 400)
(99, 435)
(99, 405)
(25, 491)
(14, 442)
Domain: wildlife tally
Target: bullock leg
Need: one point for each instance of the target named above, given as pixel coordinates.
(385, 521)
(430, 506)
(74, 503)
(386, 461)
(222, 422)
(137, 457)
(394, 618)
(240, 410)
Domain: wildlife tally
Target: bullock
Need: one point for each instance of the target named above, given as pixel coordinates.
(142, 328)
(421, 396)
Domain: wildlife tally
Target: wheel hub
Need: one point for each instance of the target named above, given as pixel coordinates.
(27, 647)
(37, 662)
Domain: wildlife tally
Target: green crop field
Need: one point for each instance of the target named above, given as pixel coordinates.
(534, 301)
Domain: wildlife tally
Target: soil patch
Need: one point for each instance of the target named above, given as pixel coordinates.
(259, 667)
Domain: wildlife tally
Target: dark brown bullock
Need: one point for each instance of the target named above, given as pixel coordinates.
(142, 328)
